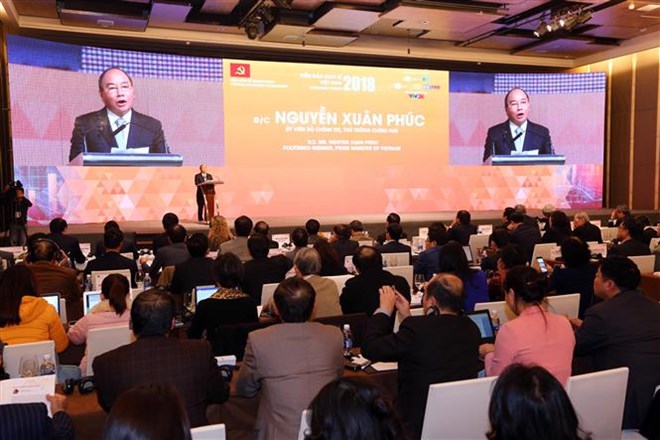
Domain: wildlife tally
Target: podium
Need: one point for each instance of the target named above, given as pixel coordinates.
(540, 159)
(208, 188)
(128, 160)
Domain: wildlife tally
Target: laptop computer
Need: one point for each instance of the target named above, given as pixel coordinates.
(482, 319)
(468, 254)
(204, 292)
(90, 299)
(53, 299)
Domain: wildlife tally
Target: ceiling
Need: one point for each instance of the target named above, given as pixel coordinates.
(489, 32)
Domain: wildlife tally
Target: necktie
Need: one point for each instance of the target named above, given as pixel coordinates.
(120, 137)
(519, 139)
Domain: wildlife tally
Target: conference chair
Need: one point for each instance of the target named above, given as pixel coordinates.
(645, 263)
(568, 304)
(608, 234)
(102, 340)
(305, 423)
(403, 271)
(209, 432)
(99, 275)
(417, 311)
(503, 311)
(598, 399)
(230, 339)
(396, 259)
(458, 410)
(267, 292)
(13, 354)
(478, 241)
(340, 281)
(166, 277)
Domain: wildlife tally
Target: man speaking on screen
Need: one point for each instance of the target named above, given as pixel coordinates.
(116, 128)
(518, 135)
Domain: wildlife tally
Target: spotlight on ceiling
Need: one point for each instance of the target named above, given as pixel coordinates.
(566, 20)
(541, 29)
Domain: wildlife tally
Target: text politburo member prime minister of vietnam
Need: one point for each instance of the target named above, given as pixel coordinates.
(116, 127)
(518, 135)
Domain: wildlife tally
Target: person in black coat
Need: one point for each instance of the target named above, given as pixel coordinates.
(441, 346)
(559, 228)
(392, 245)
(522, 234)
(341, 241)
(361, 293)
(196, 271)
(126, 245)
(69, 244)
(584, 229)
(111, 259)
(629, 240)
(461, 229)
(262, 269)
(23, 421)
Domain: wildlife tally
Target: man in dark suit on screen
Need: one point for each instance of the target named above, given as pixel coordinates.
(116, 128)
(518, 135)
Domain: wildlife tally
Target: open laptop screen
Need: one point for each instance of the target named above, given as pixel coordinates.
(204, 292)
(53, 299)
(468, 254)
(482, 319)
(90, 299)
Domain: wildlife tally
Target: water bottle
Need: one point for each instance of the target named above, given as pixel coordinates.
(88, 283)
(348, 340)
(47, 366)
(147, 282)
(495, 319)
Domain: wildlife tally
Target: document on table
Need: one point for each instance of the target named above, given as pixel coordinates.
(384, 366)
(27, 390)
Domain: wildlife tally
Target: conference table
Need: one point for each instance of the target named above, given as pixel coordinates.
(650, 285)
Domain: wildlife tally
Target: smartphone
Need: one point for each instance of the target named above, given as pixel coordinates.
(542, 266)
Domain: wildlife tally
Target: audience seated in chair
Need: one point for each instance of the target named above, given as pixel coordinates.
(461, 228)
(358, 233)
(428, 260)
(195, 271)
(262, 269)
(169, 220)
(299, 238)
(261, 227)
(341, 241)
(112, 259)
(68, 243)
(127, 245)
(238, 245)
(584, 229)
(172, 254)
(392, 245)
(31, 420)
(307, 265)
(331, 265)
(629, 244)
(559, 228)
(312, 226)
(219, 233)
(453, 260)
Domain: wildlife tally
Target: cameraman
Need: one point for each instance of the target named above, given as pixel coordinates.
(18, 204)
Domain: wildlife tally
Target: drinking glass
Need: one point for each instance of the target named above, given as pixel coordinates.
(29, 366)
(419, 282)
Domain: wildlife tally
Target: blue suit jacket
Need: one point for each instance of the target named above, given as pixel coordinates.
(500, 141)
(92, 133)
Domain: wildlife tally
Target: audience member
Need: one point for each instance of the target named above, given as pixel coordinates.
(358, 233)
(290, 362)
(523, 234)
(440, 346)
(261, 227)
(262, 269)
(312, 226)
(453, 260)
(461, 228)
(536, 336)
(127, 245)
(218, 233)
(623, 331)
(195, 271)
(114, 309)
(505, 216)
(628, 236)
(529, 403)
(187, 365)
(648, 232)
(578, 274)
(24, 317)
(351, 408)
(497, 240)
(331, 265)
(392, 217)
(28, 421)
(547, 211)
(618, 214)
(559, 228)
(148, 412)
(584, 229)
(361, 293)
(169, 220)
(528, 220)
(392, 245)
(228, 305)
(68, 243)
(341, 241)
(50, 277)
(172, 254)
(308, 266)
(299, 238)
(111, 258)
(238, 245)
(510, 256)
(428, 259)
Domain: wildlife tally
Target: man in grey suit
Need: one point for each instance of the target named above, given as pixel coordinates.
(289, 362)
(307, 265)
(173, 254)
(238, 246)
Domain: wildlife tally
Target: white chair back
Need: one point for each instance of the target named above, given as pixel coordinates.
(417, 311)
(568, 305)
(608, 234)
(402, 271)
(13, 353)
(305, 423)
(63, 316)
(543, 250)
(396, 259)
(458, 410)
(99, 275)
(655, 242)
(102, 340)
(478, 241)
(267, 291)
(209, 432)
(340, 280)
(645, 263)
(598, 399)
(503, 311)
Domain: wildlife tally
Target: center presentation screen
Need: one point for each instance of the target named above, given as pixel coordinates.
(292, 139)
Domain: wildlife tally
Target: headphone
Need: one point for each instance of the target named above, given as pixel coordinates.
(59, 255)
(432, 311)
(85, 385)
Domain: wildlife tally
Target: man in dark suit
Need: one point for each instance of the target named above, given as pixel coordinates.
(428, 261)
(262, 269)
(172, 254)
(116, 126)
(127, 245)
(169, 220)
(523, 234)
(392, 245)
(196, 271)
(623, 331)
(628, 236)
(518, 135)
(392, 217)
(185, 364)
(69, 244)
(111, 259)
(618, 214)
(584, 229)
(261, 227)
(440, 346)
(461, 229)
(341, 241)
(31, 421)
(312, 226)
(205, 195)
(360, 294)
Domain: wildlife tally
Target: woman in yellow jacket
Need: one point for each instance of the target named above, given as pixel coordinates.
(24, 317)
